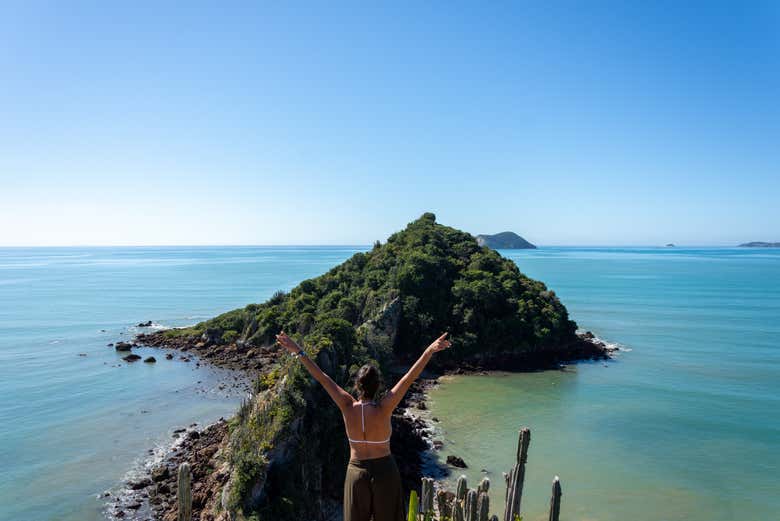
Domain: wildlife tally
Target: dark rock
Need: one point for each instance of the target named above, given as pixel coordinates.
(123, 346)
(148, 323)
(150, 360)
(160, 473)
(131, 358)
(438, 444)
(141, 483)
(134, 506)
(169, 356)
(456, 461)
(109, 345)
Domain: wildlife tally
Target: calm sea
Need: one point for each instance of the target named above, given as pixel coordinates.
(684, 424)
(72, 426)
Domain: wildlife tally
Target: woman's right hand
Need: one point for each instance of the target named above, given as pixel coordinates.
(288, 343)
(440, 344)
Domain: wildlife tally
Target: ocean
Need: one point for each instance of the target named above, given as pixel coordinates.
(682, 424)
(73, 427)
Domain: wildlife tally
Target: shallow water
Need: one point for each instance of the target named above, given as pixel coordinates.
(71, 426)
(684, 426)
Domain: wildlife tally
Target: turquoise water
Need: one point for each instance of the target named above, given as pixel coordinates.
(72, 427)
(683, 425)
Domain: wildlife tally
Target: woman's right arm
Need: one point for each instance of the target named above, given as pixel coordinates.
(396, 394)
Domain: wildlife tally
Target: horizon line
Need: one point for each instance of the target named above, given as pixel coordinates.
(366, 245)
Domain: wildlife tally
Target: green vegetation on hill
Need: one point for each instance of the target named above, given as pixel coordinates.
(382, 305)
(434, 278)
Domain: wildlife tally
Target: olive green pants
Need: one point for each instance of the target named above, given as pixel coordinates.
(372, 490)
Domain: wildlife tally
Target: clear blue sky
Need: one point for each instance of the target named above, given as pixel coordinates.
(337, 123)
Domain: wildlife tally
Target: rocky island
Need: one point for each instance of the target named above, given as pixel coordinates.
(759, 244)
(505, 241)
(283, 455)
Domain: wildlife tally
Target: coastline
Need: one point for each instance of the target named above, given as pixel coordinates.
(153, 493)
(146, 491)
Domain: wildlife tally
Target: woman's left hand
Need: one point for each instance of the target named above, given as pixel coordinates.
(288, 343)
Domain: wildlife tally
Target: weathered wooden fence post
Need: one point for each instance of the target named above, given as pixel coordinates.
(555, 500)
(184, 492)
(516, 477)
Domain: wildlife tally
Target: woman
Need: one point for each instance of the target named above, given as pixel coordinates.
(373, 485)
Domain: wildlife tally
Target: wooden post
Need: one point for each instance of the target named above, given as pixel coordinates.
(184, 492)
(555, 500)
(516, 477)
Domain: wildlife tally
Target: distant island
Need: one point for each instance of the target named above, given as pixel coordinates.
(504, 241)
(670, 245)
(759, 244)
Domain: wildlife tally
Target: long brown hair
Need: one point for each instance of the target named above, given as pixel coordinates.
(367, 382)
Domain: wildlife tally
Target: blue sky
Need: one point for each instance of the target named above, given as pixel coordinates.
(337, 123)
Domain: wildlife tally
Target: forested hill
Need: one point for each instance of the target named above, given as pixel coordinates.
(424, 280)
(285, 454)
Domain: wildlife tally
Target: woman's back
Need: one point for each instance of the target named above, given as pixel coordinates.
(368, 429)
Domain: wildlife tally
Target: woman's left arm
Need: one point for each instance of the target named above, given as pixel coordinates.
(342, 398)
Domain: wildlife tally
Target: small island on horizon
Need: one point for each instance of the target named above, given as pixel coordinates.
(504, 241)
(760, 244)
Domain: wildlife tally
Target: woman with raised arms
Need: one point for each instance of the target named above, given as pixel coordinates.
(372, 488)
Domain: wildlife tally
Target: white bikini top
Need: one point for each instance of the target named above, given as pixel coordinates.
(363, 423)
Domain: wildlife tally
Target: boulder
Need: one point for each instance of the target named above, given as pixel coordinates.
(141, 483)
(160, 473)
(131, 358)
(150, 360)
(456, 461)
(123, 346)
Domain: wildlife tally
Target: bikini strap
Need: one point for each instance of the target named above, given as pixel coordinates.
(363, 419)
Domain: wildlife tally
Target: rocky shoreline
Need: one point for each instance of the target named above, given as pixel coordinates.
(154, 495)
